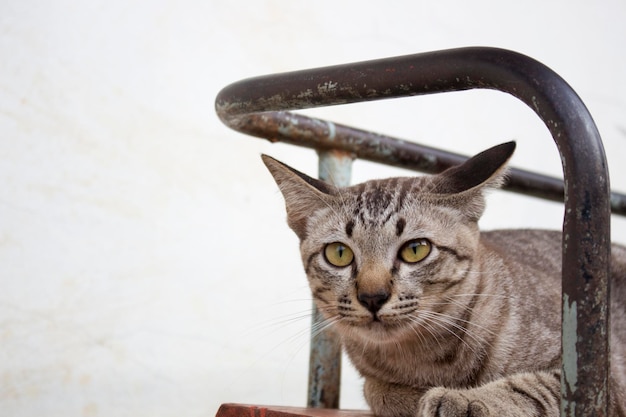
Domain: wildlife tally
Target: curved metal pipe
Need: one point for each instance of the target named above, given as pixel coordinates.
(258, 106)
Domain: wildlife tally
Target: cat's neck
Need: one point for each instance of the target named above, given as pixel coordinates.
(445, 361)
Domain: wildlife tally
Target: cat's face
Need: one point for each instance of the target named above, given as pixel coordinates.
(380, 259)
(383, 258)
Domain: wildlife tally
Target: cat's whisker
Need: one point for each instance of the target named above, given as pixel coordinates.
(324, 325)
(476, 312)
(503, 296)
(449, 301)
(448, 325)
(305, 334)
(292, 320)
(298, 339)
(302, 336)
(456, 336)
(275, 326)
(284, 320)
(468, 322)
(428, 322)
(426, 326)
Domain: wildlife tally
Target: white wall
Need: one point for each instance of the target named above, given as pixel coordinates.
(145, 266)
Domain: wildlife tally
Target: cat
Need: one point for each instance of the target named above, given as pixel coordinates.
(440, 318)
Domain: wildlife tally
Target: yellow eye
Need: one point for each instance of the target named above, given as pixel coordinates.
(414, 250)
(338, 254)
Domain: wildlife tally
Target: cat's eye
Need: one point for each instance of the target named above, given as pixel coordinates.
(338, 254)
(414, 250)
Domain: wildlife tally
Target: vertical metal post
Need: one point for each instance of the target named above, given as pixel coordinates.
(335, 167)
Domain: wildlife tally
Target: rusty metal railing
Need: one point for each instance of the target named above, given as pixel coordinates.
(260, 107)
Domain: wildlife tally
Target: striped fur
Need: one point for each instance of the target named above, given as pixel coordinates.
(473, 329)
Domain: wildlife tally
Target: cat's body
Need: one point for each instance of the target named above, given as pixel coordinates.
(439, 318)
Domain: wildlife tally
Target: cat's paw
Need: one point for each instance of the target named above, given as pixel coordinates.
(442, 402)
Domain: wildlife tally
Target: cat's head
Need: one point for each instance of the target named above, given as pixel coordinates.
(382, 254)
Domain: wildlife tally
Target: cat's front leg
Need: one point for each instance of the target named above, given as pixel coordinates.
(391, 400)
(522, 395)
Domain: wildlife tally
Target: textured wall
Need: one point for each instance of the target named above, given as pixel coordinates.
(145, 266)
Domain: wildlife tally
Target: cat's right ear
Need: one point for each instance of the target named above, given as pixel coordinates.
(303, 194)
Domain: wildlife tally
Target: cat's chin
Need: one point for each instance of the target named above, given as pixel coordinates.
(378, 332)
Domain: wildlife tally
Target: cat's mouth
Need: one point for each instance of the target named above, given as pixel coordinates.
(376, 324)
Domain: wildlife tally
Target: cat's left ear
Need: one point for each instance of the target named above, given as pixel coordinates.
(487, 168)
(465, 183)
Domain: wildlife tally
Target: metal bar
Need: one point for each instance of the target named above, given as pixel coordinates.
(335, 167)
(321, 134)
(248, 104)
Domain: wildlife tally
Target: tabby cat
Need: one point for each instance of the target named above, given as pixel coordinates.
(440, 318)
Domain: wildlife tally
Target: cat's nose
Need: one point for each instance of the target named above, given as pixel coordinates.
(373, 301)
